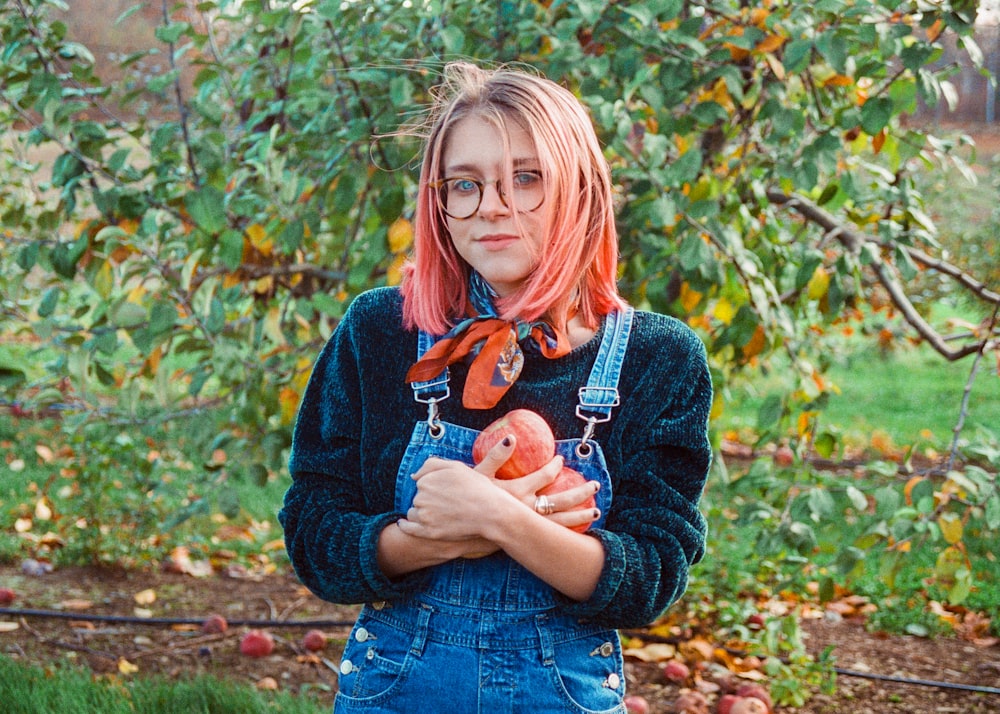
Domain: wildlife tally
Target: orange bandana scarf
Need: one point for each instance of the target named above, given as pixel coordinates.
(492, 343)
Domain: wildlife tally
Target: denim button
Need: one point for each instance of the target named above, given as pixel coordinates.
(361, 635)
(613, 681)
(346, 667)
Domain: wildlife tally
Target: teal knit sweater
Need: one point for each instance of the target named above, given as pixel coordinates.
(358, 412)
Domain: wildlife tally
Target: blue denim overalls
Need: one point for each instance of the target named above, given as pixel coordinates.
(485, 635)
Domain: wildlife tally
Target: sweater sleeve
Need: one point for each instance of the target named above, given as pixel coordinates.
(331, 519)
(654, 531)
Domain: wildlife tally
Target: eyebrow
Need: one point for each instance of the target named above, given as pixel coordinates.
(475, 169)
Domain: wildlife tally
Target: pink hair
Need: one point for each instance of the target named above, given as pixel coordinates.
(577, 267)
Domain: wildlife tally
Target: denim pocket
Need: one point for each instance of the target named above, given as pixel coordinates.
(376, 660)
(587, 672)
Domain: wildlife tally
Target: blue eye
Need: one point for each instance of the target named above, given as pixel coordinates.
(463, 185)
(526, 179)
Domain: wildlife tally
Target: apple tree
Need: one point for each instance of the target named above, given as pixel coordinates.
(198, 228)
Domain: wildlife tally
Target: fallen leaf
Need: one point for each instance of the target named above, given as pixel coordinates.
(76, 604)
(654, 652)
(126, 667)
(145, 597)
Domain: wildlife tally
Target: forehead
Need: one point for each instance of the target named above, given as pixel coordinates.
(476, 143)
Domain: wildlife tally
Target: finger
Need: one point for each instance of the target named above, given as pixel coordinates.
(572, 497)
(431, 464)
(576, 518)
(538, 480)
(497, 456)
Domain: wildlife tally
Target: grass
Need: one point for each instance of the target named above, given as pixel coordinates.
(911, 396)
(68, 690)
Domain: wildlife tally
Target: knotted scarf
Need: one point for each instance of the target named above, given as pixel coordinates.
(492, 345)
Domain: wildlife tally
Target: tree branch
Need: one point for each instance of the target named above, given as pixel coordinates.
(854, 241)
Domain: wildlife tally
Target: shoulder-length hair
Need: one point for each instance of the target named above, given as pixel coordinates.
(576, 271)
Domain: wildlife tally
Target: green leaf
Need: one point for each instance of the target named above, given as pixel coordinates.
(876, 114)
(207, 208)
(47, 305)
(66, 168)
(169, 34)
(65, 256)
(231, 248)
(128, 314)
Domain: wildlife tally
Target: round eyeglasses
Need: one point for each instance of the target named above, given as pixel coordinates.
(459, 197)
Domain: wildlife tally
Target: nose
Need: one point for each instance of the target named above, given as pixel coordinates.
(492, 202)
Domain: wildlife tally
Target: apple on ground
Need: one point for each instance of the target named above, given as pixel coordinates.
(214, 624)
(676, 671)
(755, 691)
(314, 640)
(7, 596)
(635, 704)
(749, 705)
(257, 643)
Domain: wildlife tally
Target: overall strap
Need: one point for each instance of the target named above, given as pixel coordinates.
(433, 390)
(600, 396)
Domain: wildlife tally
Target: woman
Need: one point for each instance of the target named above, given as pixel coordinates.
(479, 596)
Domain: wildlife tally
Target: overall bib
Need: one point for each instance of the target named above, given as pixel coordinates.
(485, 635)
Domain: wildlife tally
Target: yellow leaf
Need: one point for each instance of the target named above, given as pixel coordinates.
(755, 345)
(838, 80)
(43, 511)
(951, 527)
(689, 297)
(44, 453)
(818, 284)
(776, 66)
(934, 31)
(145, 597)
(400, 235)
(259, 239)
(720, 93)
(724, 311)
(908, 489)
(770, 43)
(136, 294)
(264, 285)
(289, 400)
(126, 667)
(718, 406)
(394, 273)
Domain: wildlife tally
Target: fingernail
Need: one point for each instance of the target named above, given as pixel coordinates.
(506, 441)
(597, 486)
(597, 513)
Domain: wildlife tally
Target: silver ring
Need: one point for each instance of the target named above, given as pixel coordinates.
(544, 506)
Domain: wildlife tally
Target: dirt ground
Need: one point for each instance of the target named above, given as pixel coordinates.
(160, 612)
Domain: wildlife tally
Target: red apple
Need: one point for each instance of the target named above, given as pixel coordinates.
(756, 621)
(749, 705)
(690, 702)
(726, 702)
(214, 624)
(7, 596)
(569, 478)
(534, 444)
(675, 671)
(784, 456)
(257, 643)
(755, 691)
(634, 704)
(314, 640)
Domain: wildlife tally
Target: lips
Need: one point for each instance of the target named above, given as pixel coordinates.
(497, 241)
